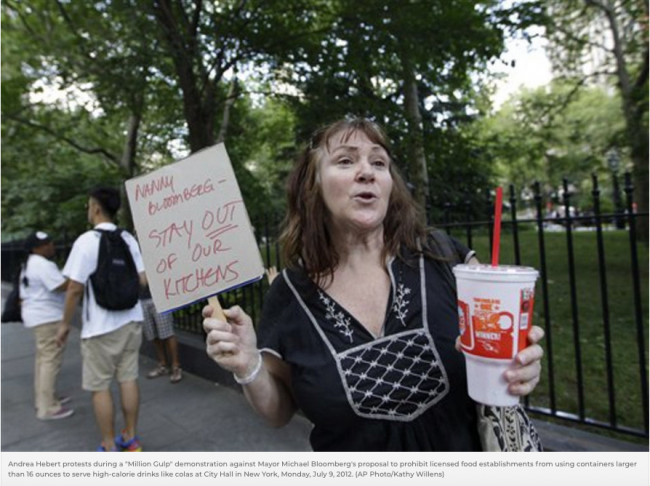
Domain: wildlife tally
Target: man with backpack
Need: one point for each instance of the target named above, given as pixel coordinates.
(105, 269)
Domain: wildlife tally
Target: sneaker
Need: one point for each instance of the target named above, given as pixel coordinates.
(61, 414)
(132, 445)
(101, 448)
(160, 370)
(62, 401)
(177, 374)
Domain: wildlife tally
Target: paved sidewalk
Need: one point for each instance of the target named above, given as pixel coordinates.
(193, 415)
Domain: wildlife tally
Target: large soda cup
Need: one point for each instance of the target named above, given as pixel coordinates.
(495, 312)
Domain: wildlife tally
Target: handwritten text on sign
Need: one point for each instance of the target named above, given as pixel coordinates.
(193, 229)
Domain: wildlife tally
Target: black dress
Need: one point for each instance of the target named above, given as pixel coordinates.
(403, 391)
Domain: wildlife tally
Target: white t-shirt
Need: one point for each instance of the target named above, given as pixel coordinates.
(41, 304)
(81, 264)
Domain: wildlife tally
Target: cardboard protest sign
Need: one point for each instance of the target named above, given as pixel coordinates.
(193, 229)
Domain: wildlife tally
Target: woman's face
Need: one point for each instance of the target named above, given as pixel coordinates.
(356, 182)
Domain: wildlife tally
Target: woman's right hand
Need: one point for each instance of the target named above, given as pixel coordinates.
(232, 343)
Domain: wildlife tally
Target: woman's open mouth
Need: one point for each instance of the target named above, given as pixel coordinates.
(365, 196)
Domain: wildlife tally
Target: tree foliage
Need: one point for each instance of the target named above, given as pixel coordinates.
(412, 66)
(539, 135)
(182, 75)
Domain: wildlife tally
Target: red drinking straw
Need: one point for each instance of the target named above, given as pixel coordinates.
(496, 236)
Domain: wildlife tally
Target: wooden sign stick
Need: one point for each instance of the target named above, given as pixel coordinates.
(217, 310)
(217, 313)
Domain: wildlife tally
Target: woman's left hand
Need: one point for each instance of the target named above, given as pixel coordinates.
(524, 375)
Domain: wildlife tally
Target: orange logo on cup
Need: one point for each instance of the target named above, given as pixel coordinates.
(488, 331)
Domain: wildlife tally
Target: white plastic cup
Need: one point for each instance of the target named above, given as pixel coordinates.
(495, 312)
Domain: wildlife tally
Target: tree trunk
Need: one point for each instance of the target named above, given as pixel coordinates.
(417, 159)
(637, 134)
(200, 119)
(198, 110)
(230, 101)
(128, 163)
(130, 146)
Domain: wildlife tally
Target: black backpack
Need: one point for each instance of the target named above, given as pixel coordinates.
(116, 282)
(446, 250)
(11, 312)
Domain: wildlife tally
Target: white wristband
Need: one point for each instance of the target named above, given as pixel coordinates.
(253, 374)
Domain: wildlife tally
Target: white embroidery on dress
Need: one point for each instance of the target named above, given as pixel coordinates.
(399, 306)
(396, 378)
(340, 321)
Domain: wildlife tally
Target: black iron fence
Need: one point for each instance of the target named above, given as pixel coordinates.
(591, 300)
(592, 296)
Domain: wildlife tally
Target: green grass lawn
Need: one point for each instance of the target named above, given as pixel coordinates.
(561, 347)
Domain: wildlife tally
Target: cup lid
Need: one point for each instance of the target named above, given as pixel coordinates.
(501, 271)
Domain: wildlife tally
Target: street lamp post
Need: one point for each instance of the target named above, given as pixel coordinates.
(613, 160)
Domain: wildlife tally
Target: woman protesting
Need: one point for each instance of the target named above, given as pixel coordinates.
(359, 330)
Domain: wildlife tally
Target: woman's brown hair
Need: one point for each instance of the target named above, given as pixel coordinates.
(306, 239)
